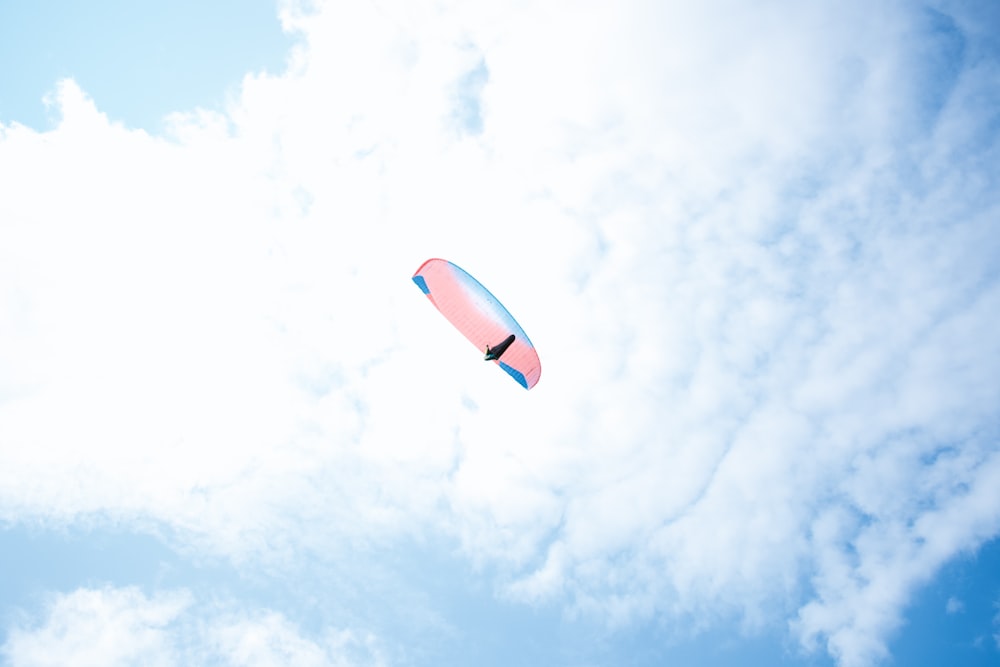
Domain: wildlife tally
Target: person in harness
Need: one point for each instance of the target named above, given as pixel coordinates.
(493, 353)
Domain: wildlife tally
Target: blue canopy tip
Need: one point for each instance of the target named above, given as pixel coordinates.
(514, 373)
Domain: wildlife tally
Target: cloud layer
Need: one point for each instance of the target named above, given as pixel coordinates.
(756, 251)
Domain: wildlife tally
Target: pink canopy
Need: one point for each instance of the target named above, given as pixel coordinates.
(480, 317)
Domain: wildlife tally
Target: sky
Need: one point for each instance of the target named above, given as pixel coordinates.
(753, 243)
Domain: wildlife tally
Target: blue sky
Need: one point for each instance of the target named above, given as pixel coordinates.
(142, 62)
(754, 244)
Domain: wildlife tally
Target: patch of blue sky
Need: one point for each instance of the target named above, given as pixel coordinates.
(139, 61)
(951, 621)
(37, 561)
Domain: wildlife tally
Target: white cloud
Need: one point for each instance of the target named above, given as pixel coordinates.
(755, 250)
(269, 639)
(954, 606)
(99, 627)
(123, 626)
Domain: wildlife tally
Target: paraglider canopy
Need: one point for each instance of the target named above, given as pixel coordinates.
(481, 318)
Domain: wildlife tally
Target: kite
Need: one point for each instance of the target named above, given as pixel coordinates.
(481, 318)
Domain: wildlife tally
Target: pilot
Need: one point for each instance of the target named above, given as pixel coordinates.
(493, 353)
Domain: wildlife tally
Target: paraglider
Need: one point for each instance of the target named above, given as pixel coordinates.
(481, 318)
